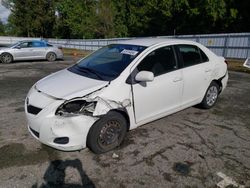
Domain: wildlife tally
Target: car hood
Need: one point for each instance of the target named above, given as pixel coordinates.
(4, 49)
(67, 85)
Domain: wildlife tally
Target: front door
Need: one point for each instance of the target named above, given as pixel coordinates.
(24, 51)
(162, 96)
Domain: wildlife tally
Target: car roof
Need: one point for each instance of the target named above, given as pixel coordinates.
(153, 41)
(33, 41)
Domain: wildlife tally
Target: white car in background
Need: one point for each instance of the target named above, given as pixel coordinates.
(30, 50)
(120, 87)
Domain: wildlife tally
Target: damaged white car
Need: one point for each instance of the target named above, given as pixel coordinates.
(120, 87)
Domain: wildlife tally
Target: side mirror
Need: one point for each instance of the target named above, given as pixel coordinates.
(144, 76)
(17, 47)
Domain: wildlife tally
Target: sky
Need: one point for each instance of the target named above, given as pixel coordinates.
(4, 13)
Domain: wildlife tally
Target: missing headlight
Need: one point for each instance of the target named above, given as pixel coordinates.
(76, 107)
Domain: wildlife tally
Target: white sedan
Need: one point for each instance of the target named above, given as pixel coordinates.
(120, 87)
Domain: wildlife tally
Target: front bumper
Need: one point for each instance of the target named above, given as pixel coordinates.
(46, 127)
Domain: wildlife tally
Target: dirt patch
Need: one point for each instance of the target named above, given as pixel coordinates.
(167, 176)
(16, 154)
(237, 65)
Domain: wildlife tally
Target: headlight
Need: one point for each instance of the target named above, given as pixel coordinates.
(76, 107)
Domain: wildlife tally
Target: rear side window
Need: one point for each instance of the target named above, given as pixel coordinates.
(190, 55)
(204, 56)
(159, 61)
(38, 44)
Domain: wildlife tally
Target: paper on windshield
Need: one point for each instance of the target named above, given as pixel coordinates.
(129, 52)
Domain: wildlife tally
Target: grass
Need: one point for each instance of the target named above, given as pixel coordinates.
(237, 65)
(75, 52)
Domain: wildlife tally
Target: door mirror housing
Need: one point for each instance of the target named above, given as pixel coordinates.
(17, 47)
(144, 76)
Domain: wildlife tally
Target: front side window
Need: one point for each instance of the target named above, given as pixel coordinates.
(192, 55)
(108, 62)
(25, 45)
(159, 61)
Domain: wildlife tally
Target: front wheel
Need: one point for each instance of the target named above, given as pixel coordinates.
(6, 58)
(211, 96)
(51, 56)
(107, 133)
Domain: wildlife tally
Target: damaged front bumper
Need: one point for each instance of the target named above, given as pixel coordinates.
(63, 133)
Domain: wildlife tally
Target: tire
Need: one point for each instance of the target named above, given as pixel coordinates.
(107, 133)
(51, 56)
(6, 58)
(211, 96)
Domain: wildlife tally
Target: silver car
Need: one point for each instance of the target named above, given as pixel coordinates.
(30, 50)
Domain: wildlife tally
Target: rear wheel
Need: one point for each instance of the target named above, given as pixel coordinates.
(51, 56)
(211, 96)
(107, 133)
(6, 58)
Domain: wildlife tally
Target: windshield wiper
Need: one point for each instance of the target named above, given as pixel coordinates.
(86, 69)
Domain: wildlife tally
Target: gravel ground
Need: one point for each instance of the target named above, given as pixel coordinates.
(191, 148)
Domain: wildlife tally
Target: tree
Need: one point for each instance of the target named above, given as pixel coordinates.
(2, 28)
(32, 18)
(111, 18)
(75, 19)
(105, 12)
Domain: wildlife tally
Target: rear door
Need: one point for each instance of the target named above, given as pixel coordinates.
(197, 71)
(163, 95)
(39, 49)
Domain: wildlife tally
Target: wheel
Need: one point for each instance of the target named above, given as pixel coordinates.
(107, 133)
(51, 56)
(6, 58)
(211, 96)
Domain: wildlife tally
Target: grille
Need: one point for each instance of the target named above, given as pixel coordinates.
(35, 132)
(33, 110)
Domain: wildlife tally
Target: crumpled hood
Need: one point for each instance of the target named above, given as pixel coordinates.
(67, 85)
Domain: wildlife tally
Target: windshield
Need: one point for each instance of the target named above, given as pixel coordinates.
(108, 62)
(12, 45)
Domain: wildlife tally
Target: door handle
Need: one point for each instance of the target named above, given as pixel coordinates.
(177, 79)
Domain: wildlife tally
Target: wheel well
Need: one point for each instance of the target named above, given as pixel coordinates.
(125, 114)
(219, 84)
(51, 52)
(7, 53)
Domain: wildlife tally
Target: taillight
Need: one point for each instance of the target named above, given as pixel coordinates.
(226, 62)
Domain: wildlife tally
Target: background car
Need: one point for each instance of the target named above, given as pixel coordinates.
(120, 87)
(30, 50)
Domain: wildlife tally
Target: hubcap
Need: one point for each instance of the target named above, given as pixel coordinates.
(6, 58)
(212, 95)
(51, 57)
(110, 134)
